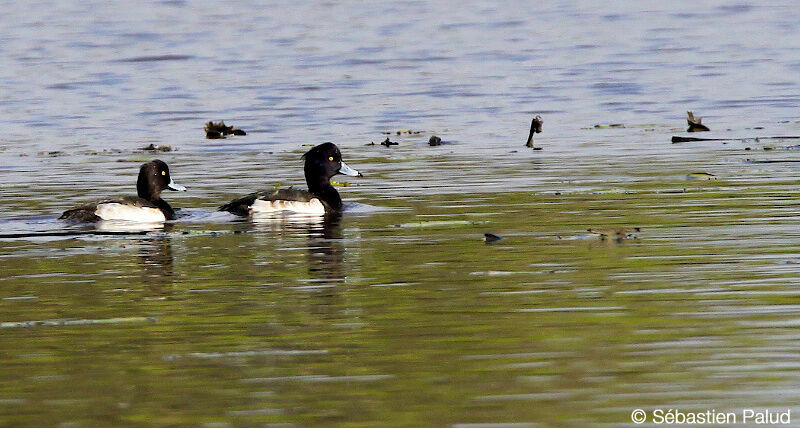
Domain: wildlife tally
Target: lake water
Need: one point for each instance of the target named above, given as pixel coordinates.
(400, 314)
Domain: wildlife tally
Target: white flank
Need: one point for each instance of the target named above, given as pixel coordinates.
(115, 211)
(313, 206)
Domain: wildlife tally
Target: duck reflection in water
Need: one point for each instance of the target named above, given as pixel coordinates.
(155, 257)
(325, 249)
(326, 253)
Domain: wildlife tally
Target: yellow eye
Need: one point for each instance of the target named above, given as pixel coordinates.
(330, 158)
(163, 172)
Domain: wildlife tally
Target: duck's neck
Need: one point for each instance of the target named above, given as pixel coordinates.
(169, 213)
(321, 188)
(145, 192)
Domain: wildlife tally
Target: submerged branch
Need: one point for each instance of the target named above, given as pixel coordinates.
(676, 139)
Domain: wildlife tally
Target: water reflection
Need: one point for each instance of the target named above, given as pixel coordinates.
(121, 226)
(700, 312)
(155, 257)
(325, 251)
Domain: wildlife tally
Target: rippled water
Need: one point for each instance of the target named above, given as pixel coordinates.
(400, 314)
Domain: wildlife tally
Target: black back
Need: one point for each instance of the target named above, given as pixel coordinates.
(242, 205)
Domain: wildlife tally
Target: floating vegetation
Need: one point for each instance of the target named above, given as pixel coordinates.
(609, 126)
(51, 154)
(536, 128)
(402, 131)
(434, 141)
(700, 176)
(220, 130)
(437, 223)
(340, 183)
(156, 148)
(695, 124)
(616, 235)
(100, 152)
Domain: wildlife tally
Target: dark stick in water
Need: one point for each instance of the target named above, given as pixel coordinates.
(536, 127)
(676, 139)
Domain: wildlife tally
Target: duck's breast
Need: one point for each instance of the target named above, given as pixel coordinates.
(314, 206)
(119, 211)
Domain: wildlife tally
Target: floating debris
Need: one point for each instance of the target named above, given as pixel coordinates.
(100, 152)
(401, 132)
(435, 141)
(52, 154)
(491, 237)
(437, 223)
(220, 130)
(610, 125)
(156, 148)
(536, 127)
(388, 143)
(701, 176)
(617, 235)
(695, 124)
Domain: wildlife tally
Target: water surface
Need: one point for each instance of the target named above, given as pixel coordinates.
(400, 314)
